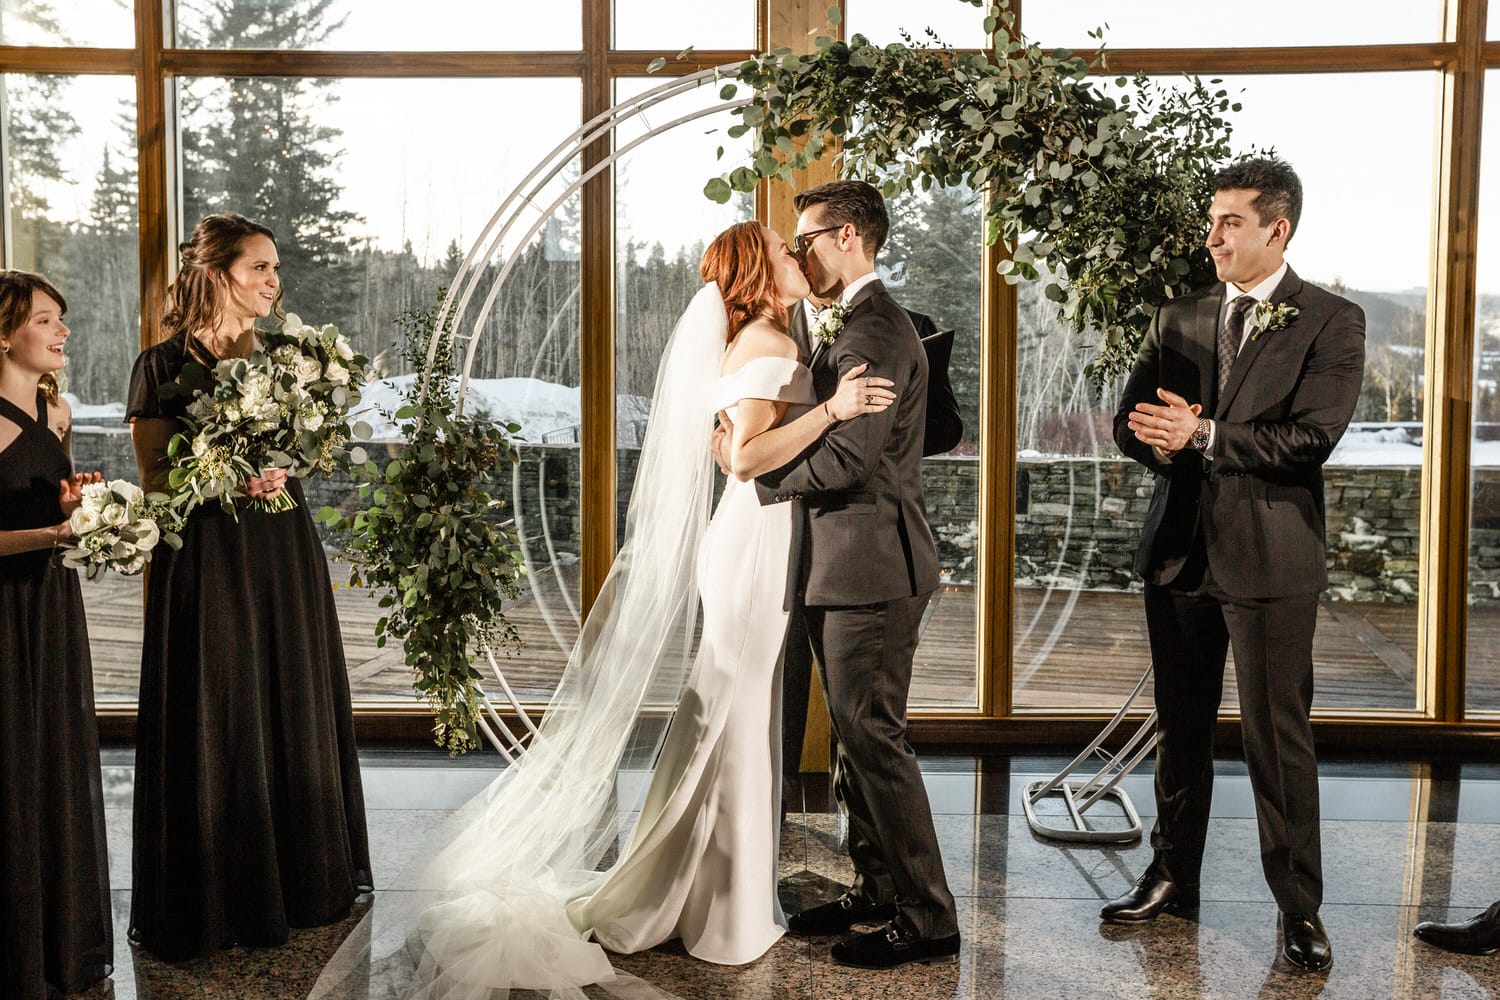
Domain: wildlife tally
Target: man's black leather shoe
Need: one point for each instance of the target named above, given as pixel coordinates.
(1476, 936)
(839, 915)
(1150, 896)
(894, 945)
(1304, 942)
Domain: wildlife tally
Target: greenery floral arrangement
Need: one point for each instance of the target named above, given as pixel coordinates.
(116, 526)
(1102, 198)
(434, 543)
(286, 406)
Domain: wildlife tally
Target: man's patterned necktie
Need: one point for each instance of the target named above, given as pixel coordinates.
(1231, 333)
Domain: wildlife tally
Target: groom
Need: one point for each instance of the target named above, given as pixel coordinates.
(866, 568)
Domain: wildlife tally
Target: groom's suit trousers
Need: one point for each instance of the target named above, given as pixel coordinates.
(865, 655)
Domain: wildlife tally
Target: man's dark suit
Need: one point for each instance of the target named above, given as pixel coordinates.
(1232, 552)
(865, 568)
(942, 429)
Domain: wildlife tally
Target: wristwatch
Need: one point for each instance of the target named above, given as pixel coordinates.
(1199, 440)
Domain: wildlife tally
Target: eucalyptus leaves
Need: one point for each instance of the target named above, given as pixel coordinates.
(436, 545)
(286, 406)
(1101, 198)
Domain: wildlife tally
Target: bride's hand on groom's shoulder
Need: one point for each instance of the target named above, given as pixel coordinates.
(859, 393)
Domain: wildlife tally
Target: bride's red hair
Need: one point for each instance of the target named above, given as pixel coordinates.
(739, 262)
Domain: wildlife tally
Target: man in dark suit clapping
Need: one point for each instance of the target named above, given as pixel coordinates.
(1239, 394)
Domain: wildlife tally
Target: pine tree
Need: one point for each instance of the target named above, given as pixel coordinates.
(251, 145)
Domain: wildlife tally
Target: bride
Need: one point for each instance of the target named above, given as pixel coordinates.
(523, 902)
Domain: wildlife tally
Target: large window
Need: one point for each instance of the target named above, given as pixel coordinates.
(1186, 24)
(371, 25)
(1080, 637)
(102, 23)
(371, 226)
(379, 181)
(885, 21)
(678, 24)
(1484, 450)
(70, 191)
(663, 223)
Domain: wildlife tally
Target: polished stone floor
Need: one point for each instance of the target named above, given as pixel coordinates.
(1402, 841)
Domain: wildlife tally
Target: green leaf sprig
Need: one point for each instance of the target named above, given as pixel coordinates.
(1100, 197)
(437, 546)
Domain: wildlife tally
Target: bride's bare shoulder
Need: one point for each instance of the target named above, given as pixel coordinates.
(759, 338)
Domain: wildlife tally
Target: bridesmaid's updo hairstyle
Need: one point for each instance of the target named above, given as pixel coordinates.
(738, 262)
(196, 300)
(16, 291)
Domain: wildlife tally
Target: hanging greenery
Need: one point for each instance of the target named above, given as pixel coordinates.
(435, 543)
(1101, 196)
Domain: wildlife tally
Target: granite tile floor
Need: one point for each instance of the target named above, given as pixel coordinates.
(1402, 841)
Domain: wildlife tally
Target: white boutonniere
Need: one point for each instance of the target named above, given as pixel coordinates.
(1268, 316)
(829, 323)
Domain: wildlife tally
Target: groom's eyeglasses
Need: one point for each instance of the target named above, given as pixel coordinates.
(802, 241)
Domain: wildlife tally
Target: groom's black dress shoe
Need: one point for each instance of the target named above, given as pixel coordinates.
(1476, 936)
(1304, 943)
(839, 915)
(1150, 896)
(895, 945)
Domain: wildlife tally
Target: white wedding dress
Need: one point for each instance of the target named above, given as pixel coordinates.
(509, 894)
(700, 864)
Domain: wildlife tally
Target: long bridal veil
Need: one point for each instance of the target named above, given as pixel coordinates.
(482, 912)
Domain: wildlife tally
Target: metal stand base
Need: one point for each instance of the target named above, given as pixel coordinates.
(1081, 795)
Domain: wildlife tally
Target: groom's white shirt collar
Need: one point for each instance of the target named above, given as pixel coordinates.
(1259, 293)
(852, 289)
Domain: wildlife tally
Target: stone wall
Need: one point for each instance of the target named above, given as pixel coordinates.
(1077, 525)
(1081, 520)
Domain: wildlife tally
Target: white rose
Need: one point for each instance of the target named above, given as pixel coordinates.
(309, 420)
(84, 520)
(342, 349)
(336, 373)
(308, 370)
(134, 566)
(115, 515)
(126, 490)
(95, 495)
(147, 534)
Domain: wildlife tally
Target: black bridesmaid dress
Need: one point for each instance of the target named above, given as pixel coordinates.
(249, 813)
(56, 934)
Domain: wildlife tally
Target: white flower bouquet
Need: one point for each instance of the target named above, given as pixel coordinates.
(285, 407)
(116, 526)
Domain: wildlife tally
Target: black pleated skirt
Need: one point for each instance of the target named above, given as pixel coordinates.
(249, 814)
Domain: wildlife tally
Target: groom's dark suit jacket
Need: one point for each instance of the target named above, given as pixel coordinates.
(861, 484)
(1259, 502)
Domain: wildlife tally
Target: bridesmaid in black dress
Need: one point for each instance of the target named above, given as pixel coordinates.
(249, 815)
(56, 934)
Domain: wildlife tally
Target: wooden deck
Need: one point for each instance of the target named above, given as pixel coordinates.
(1074, 649)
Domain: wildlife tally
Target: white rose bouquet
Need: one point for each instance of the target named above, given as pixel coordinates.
(116, 526)
(285, 407)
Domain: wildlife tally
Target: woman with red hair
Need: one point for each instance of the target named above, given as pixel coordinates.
(700, 864)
